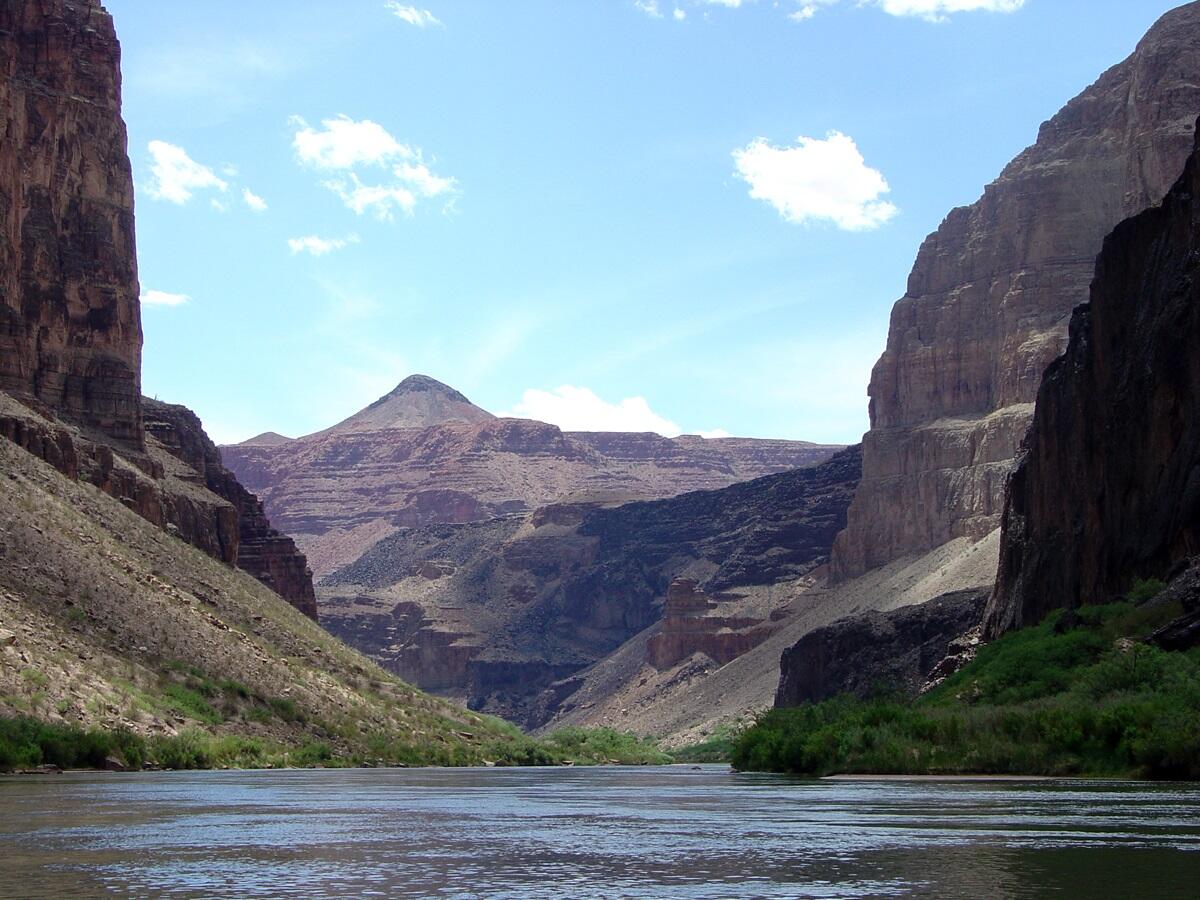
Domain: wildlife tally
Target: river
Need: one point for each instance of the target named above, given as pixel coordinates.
(697, 832)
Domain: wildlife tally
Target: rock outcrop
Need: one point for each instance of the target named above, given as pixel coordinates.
(693, 622)
(463, 609)
(990, 296)
(70, 325)
(877, 652)
(423, 455)
(1108, 489)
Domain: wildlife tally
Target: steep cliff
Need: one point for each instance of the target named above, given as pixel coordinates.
(990, 295)
(1108, 489)
(70, 331)
(70, 327)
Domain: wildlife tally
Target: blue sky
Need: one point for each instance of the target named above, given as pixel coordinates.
(603, 213)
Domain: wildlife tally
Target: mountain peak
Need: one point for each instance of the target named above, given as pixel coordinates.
(416, 384)
(417, 402)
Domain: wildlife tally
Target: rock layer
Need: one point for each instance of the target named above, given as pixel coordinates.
(990, 296)
(1109, 487)
(70, 326)
(340, 491)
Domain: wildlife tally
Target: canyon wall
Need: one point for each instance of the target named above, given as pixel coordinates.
(70, 327)
(1108, 489)
(496, 611)
(990, 296)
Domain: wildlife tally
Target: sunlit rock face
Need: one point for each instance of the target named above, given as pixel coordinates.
(70, 329)
(1109, 487)
(990, 297)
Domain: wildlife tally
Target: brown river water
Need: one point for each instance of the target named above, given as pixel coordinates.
(606, 832)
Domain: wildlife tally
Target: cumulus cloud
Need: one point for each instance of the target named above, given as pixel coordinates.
(816, 180)
(679, 14)
(315, 245)
(162, 298)
(579, 409)
(355, 151)
(252, 200)
(421, 18)
(176, 177)
(649, 7)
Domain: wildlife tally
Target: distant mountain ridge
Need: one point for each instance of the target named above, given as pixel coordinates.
(423, 454)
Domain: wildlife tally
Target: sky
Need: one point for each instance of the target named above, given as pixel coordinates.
(687, 216)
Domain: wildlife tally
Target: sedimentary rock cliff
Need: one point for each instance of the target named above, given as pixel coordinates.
(1108, 489)
(423, 455)
(70, 330)
(496, 611)
(70, 327)
(990, 295)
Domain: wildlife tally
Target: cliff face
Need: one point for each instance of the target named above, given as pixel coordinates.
(1109, 486)
(496, 611)
(70, 328)
(990, 296)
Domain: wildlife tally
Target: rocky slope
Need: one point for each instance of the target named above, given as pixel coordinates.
(497, 612)
(70, 326)
(697, 698)
(107, 620)
(424, 455)
(990, 295)
(1108, 489)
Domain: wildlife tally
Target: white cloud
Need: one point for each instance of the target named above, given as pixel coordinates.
(176, 177)
(931, 10)
(252, 200)
(679, 14)
(421, 18)
(816, 180)
(347, 147)
(937, 10)
(162, 298)
(649, 7)
(715, 435)
(579, 409)
(343, 143)
(319, 246)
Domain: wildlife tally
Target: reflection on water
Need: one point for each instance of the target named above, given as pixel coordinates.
(678, 832)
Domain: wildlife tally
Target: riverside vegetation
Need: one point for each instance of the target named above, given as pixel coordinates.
(1081, 694)
(27, 743)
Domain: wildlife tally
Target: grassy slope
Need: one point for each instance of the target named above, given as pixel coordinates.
(1085, 700)
(120, 638)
